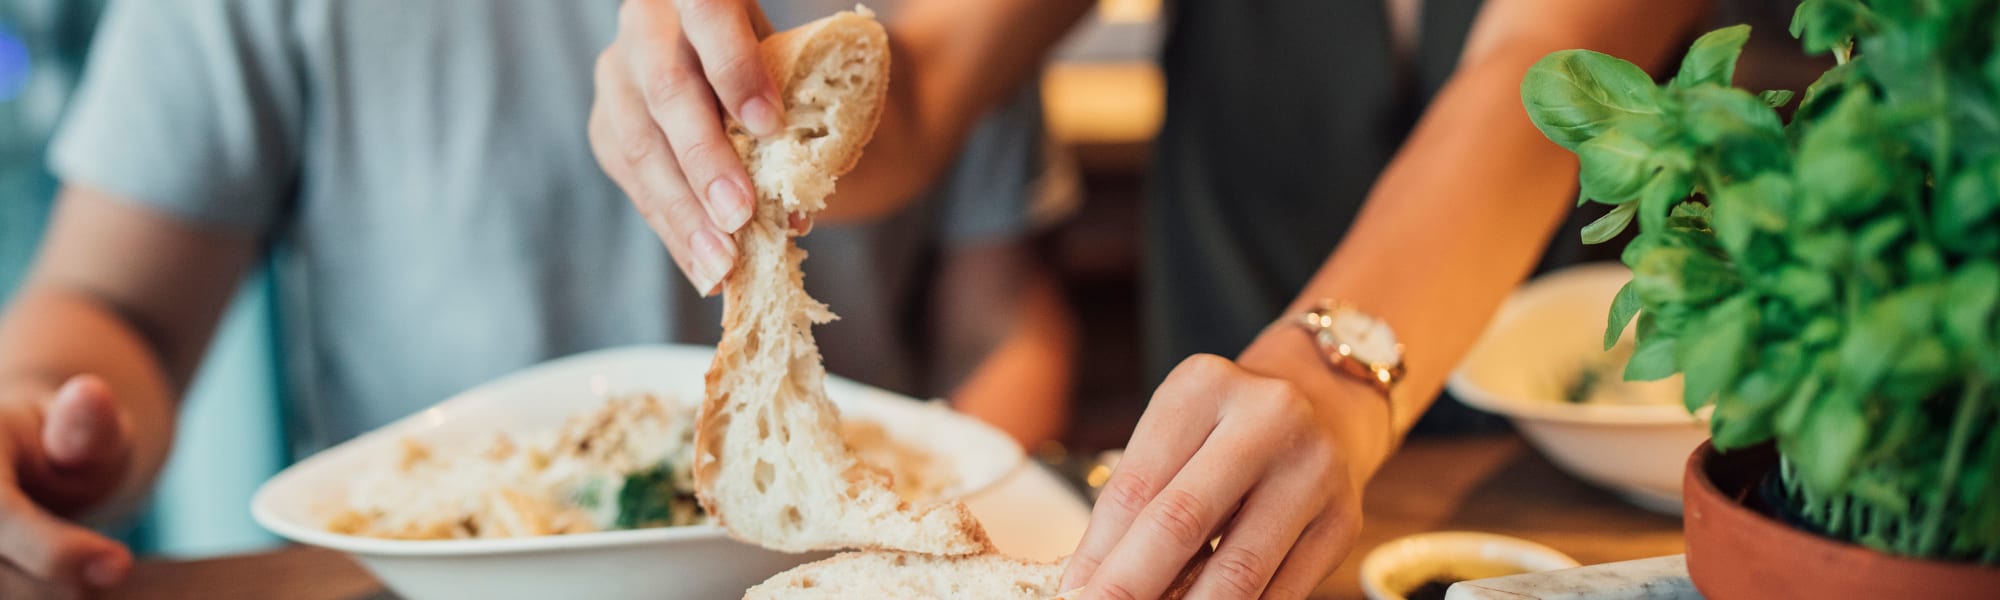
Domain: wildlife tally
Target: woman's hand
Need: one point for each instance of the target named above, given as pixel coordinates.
(62, 452)
(656, 128)
(1223, 451)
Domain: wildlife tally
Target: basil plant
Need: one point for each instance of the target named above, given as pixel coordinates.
(1829, 283)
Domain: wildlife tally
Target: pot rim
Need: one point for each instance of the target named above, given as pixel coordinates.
(1697, 482)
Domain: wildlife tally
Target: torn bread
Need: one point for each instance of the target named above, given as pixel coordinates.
(770, 465)
(900, 576)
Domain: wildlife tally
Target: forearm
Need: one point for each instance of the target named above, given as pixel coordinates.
(1452, 226)
(50, 333)
(1022, 386)
(953, 61)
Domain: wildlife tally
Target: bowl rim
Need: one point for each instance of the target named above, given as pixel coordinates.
(264, 512)
(1471, 394)
(1378, 564)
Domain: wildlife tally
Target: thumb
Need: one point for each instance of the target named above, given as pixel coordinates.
(84, 430)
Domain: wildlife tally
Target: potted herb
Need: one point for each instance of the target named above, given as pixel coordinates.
(1830, 285)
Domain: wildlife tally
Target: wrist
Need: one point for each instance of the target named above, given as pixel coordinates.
(1356, 412)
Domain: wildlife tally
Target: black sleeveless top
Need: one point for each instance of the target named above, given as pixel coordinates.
(1280, 115)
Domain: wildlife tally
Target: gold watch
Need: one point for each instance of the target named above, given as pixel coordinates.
(1359, 345)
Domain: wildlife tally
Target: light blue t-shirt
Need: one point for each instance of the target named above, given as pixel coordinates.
(434, 216)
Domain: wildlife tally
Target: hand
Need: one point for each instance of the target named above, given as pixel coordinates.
(62, 452)
(1221, 451)
(656, 129)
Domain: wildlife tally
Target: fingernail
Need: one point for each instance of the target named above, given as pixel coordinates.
(713, 256)
(104, 572)
(761, 116)
(731, 204)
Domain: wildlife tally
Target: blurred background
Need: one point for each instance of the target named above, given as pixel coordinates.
(1103, 102)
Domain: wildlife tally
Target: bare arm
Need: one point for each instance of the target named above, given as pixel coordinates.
(656, 130)
(95, 351)
(1017, 378)
(1278, 441)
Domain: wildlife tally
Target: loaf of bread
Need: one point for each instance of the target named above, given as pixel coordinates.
(770, 465)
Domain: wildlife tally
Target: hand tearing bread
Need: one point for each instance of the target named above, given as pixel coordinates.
(770, 465)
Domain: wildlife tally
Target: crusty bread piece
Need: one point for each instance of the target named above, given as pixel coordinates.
(770, 464)
(900, 576)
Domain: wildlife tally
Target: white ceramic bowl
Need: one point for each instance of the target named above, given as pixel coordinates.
(1028, 511)
(1535, 346)
(1392, 569)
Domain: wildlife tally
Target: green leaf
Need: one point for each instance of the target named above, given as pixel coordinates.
(1573, 96)
(1826, 24)
(1965, 215)
(1971, 305)
(1652, 358)
(1824, 91)
(1840, 159)
(1716, 350)
(1803, 287)
(1682, 276)
(1615, 165)
(1624, 307)
(1610, 225)
(1832, 435)
(1666, 190)
(1775, 98)
(1712, 58)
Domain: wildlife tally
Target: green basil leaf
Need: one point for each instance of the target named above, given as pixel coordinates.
(1840, 159)
(1826, 24)
(1715, 113)
(1833, 434)
(1624, 307)
(1803, 287)
(1683, 276)
(1610, 225)
(1666, 190)
(1823, 92)
(1574, 95)
(1715, 351)
(1613, 166)
(1775, 98)
(1652, 358)
(1792, 415)
(1966, 212)
(1712, 58)
(1971, 306)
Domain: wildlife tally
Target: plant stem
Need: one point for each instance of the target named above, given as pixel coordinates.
(1954, 459)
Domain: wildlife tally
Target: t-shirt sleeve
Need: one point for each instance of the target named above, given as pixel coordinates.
(191, 107)
(989, 193)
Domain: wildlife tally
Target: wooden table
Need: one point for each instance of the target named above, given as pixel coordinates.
(1494, 484)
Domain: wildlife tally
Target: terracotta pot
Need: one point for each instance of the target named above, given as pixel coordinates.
(1736, 550)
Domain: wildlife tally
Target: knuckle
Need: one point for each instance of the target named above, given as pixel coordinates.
(1115, 591)
(1127, 491)
(635, 147)
(1177, 515)
(1240, 571)
(741, 71)
(702, 7)
(670, 82)
(710, 152)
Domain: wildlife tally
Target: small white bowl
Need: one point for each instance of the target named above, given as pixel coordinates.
(1537, 342)
(1027, 510)
(1394, 568)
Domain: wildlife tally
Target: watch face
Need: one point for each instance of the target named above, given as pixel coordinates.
(1369, 338)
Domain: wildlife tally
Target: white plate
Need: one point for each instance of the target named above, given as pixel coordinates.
(1026, 509)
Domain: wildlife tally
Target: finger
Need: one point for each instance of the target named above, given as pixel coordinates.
(681, 103)
(714, 171)
(1323, 545)
(1183, 517)
(84, 432)
(1255, 542)
(721, 33)
(52, 549)
(1175, 423)
(654, 182)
